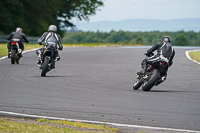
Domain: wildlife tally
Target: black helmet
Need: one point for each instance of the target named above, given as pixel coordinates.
(18, 29)
(166, 39)
(52, 28)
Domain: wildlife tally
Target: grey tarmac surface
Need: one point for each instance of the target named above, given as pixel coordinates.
(96, 84)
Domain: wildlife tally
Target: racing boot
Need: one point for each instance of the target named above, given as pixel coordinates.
(9, 53)
(39, 61)
(142, 72)
(144, 68)
(57, 57)
(39, 54)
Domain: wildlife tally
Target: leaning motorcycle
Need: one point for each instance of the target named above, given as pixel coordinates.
(15, 53)
(153, 76)
(47, 59)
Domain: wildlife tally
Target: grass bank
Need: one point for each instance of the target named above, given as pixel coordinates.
(195, 55)
(8, 125)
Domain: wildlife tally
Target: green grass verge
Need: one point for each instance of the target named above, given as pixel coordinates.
(46, 126)
(195, 55)
(80, 124)
(4, 51)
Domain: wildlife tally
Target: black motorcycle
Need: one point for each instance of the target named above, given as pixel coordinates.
(47, 59)
(153, 76)
(16, 52)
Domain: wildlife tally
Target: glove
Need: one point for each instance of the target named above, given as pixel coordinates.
(149, 54)
(60, 47)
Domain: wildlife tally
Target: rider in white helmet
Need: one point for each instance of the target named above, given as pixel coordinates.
(50, 37)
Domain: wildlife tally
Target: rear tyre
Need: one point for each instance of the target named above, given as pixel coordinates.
(13, 56)
(152, 81)
(45, 67)
(137, 85)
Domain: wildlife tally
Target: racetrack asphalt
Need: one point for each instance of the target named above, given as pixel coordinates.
(96, 84)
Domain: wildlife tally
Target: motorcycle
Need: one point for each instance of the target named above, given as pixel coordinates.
(47, 59)
(16, 52)
(153, 76)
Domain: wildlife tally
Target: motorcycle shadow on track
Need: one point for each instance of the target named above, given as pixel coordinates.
(161, 91)
(52, 76)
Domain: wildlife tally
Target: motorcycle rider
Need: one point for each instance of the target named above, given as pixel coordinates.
(17, 35)
(50, 37)
(164, 51)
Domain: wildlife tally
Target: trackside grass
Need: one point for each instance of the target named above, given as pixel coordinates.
(27, 46)
(51, 126)
(195, 55)
(79, 124)
(4, 50)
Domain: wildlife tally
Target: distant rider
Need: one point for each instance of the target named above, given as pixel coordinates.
(164, 51)
(17, 35)
(50, 37)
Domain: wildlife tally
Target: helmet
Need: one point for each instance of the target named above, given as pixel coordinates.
(18, 29)
(52, 28)
(166, 39)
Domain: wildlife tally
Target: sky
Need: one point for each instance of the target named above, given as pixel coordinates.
(117, 10)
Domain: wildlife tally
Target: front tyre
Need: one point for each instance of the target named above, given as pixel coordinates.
(13, 56)
(152, 81)
(137, 85)
(45, 66)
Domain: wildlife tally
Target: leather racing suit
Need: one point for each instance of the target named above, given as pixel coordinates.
(52, 40)
(164, 51)
(16, 35)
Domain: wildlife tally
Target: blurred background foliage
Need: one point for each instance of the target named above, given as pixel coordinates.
(34, 16)
(179, 38)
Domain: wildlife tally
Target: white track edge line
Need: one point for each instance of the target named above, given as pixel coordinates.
(4, 57)
(188, 56)
(98, 122)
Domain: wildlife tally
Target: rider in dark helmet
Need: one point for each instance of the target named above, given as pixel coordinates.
(50, 37)
(17, 35)
(164, 51)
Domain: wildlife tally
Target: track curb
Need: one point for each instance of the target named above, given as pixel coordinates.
(188, 56)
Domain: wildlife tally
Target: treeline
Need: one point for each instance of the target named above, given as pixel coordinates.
(35, 16)
(179, 38)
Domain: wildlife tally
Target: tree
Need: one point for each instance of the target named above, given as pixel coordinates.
(139, 40)
(181, 40)
(34, 17)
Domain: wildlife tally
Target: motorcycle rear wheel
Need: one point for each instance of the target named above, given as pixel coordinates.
(152, 81)
(13, 51)
(45, 67)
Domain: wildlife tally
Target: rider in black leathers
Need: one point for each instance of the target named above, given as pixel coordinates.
(52, 38)
(164, 51)
(17, 35)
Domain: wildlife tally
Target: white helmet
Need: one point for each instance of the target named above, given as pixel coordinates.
(52, 28)
(18, 29)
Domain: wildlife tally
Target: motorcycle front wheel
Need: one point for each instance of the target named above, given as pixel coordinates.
(137, 85)
(151, 82)
(45, 66)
